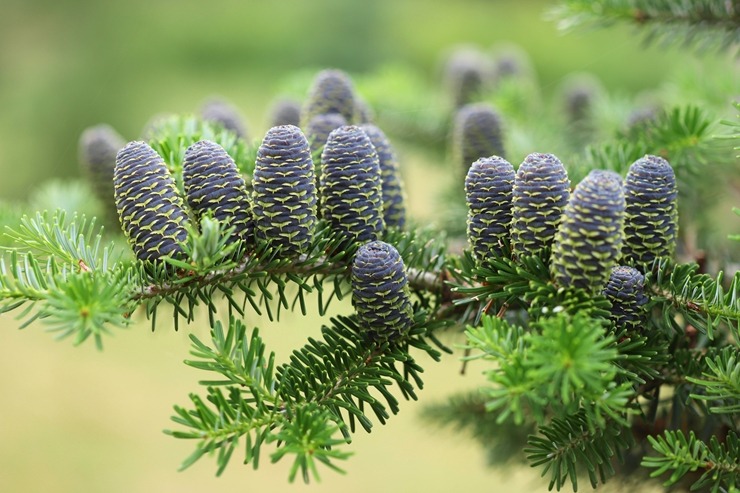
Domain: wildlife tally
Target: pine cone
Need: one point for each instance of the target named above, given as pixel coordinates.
(476, 133)
(589, 238)
(285, 112)
(541, 191)
(224, 114)
(332, 92)
(651, 216)
(97, 151)
(380, 293)
(149, 208)
(394, 209)
(350, 185)
(213, 184)
(626, 291)
(284, 199)
(488, 191)
(467, 73)
(319, 128)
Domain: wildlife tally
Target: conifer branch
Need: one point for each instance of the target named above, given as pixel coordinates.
(719, 460)
(700, 23)
(705, 303)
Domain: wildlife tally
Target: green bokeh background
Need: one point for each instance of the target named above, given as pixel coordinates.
(75, 419)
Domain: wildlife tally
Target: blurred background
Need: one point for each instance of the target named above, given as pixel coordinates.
(75, 419)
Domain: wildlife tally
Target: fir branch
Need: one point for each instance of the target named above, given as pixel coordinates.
(324, 388)
(719, 461)
(570, 444)
(703, 301)
(721, 383)
(701, 23)
(683, 135)
(74, 241)
(567, 363)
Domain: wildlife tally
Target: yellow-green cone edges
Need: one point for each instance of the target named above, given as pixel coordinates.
(213, 185)
(589, 239)
(394, 208)
(380, 292)
(150, 210)
(350, 185)
(284, 198)
(541, 190)
(488, 193)
(651, 216)
(626, 292)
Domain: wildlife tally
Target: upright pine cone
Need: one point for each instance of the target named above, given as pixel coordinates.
(149, 208)
(332, 92)
(626, 291)
(651, 216)
(284, 199)
(488, 191)
(380, 293)
(476, 133)
(213, 184)
(224, 114)
(319, 128)
(350, 185)
(97, 151)
(285, 112)
(589, 238)
(394, 209)
(467, 74)
(541, 190)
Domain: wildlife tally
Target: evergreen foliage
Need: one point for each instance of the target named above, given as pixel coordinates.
(599, 347)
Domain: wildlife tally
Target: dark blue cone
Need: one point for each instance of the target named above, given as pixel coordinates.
(476, 133)
(150, 210)
(284, 198)
(626, 292)
(350, 185)
(380, 292)
(589, 239)
(651, 216)
(213, 185)
(541, 190)
(394, 208)
(488, 191)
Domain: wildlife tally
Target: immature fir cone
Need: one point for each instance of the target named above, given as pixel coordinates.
(350, 185)
(394, 209)
(225, 115)
(626, 291)
(97, 151)
(589, 239)
(149, 208)
(284, 199)
(319, 128)
(476, 133)
(380, 293)
(467, 73)
(541, 190)
(332, 92)
(213, 184)
(651, 216)
(285, 112)
(488, 192)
